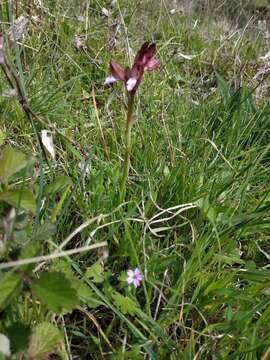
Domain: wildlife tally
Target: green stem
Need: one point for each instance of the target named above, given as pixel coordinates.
(126, 166)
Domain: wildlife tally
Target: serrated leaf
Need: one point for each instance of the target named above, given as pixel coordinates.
(19, 335)
(11, 162)
(9, 285)
(4, 345)
(20, 237)
(124, 303)
(30, 250)
(44, 340)
(95, 272)
(86, 295)
(61, 265)
(55, 290)
(59, 184)
(23, 198)
(44, 231)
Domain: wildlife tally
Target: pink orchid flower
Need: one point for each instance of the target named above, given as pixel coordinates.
(144, 60)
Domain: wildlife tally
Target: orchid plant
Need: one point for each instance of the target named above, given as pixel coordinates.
(132, 77)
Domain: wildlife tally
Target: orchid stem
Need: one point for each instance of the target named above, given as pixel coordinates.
(126, 166)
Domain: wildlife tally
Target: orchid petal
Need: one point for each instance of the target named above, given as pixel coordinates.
(145, 53)
(130, 84)
(152, 64)
(117, 71)
(110, 80)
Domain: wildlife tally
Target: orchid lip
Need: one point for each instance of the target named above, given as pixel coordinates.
(130, 84)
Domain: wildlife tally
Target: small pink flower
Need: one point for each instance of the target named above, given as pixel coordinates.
(134, 277)
(144, 60)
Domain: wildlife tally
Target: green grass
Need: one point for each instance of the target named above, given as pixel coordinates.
(201, 138)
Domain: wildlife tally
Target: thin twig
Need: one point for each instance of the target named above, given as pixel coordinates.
(84, 225)
(38, 259)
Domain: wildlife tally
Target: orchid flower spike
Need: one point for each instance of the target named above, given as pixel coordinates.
(144, 60)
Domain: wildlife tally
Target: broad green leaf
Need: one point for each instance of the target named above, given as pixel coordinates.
(95, 272)
(86, 295)
(9, 286)
(20, 237)
(11, 162)
(4, 345)
(23, 198)
(44, 341)
(124, 303)
(30, 250)
(19, 335)
(54, 289)
(44, 231)
(61, 265)
(59, 184)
